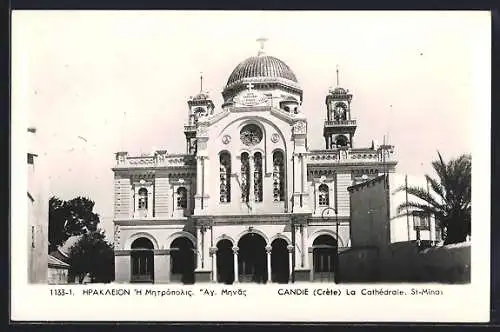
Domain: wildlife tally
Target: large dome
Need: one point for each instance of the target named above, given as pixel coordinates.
(261, 66)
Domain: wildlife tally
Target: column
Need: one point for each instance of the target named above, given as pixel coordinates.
(235, 171)
(303, 174)
(198, 175)
(269, 274)
(131, 201)
(122, 266)
(174, 201)
(202, 190)
(290, 262)
(213, 253)
(161, 266)
(149, 210)
(199, 235)
(311, 263)
(296, 173)
(136, 201)
(235, 255)
(304, 191)
(251, 193)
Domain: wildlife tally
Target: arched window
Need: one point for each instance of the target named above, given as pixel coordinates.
(278, 177)
(257, 178)
(287, 109)
(181, 198)
(340, 112)
(324, 253)
(245, 174)
(225, 177)
(324, 195)
(182, 261)
(143, 199)
(341, 140)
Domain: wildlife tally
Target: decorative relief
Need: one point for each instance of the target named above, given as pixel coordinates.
(251, 135)
(117, 237)
(201, 131)
(226, 139)
(331, 156)
(142, 161)
(275, 138)
(250, 97)
(299, 127)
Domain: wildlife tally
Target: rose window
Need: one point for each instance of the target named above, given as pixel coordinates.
(251, 135)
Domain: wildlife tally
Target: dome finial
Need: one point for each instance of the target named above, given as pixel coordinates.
(262, 41)
(338, 75)
(201, 82)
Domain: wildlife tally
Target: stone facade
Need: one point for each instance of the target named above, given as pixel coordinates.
(248, 201)
(38, 214)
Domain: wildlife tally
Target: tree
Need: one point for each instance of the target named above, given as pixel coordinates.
(93, 255)
(449, 197)
(68, 218)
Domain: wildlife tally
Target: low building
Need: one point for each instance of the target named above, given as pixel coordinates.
(391, 245)
(59, 260)
(58, 271)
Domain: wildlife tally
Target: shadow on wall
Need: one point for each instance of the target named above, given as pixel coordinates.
(406, 262)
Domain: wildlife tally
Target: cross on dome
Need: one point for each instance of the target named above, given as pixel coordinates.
(250, 86)
(262, 41)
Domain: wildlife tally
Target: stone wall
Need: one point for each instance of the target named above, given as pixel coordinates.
(405, 262)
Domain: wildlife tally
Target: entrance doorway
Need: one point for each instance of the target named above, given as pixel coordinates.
(324, 258)
(252, 260)
(225, 262)
(280, 271)
(182, 256)
(142, 261)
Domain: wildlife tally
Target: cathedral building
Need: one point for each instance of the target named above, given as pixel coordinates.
(249, 200)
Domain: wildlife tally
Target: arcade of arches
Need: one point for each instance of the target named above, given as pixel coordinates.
(182, 261)
(251, 261)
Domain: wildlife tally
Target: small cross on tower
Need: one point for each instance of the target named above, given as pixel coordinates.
(201, 82)
(337, 75)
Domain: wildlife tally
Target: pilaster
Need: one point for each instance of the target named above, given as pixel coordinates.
(161, 266)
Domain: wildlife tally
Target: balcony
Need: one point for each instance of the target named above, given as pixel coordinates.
(341, 123)
(190, 128)
(158, 159)
(382, 154)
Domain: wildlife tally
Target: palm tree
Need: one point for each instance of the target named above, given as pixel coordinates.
(450, 198)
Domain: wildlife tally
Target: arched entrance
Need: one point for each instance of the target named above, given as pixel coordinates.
(225, 262)
(142, 261)
(182, 257)
(324, 258)
(279, 261)
(252, 258)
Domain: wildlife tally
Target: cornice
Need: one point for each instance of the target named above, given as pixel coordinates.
(150, 222)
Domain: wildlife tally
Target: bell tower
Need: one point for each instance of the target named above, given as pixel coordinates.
(199, 106)
(339, 127)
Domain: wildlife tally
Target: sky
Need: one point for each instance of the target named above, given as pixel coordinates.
(94, 83)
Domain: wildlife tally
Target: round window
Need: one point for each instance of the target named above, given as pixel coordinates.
(251, 134)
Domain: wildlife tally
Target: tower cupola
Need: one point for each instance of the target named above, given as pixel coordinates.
(339, 127)
(199, 106)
